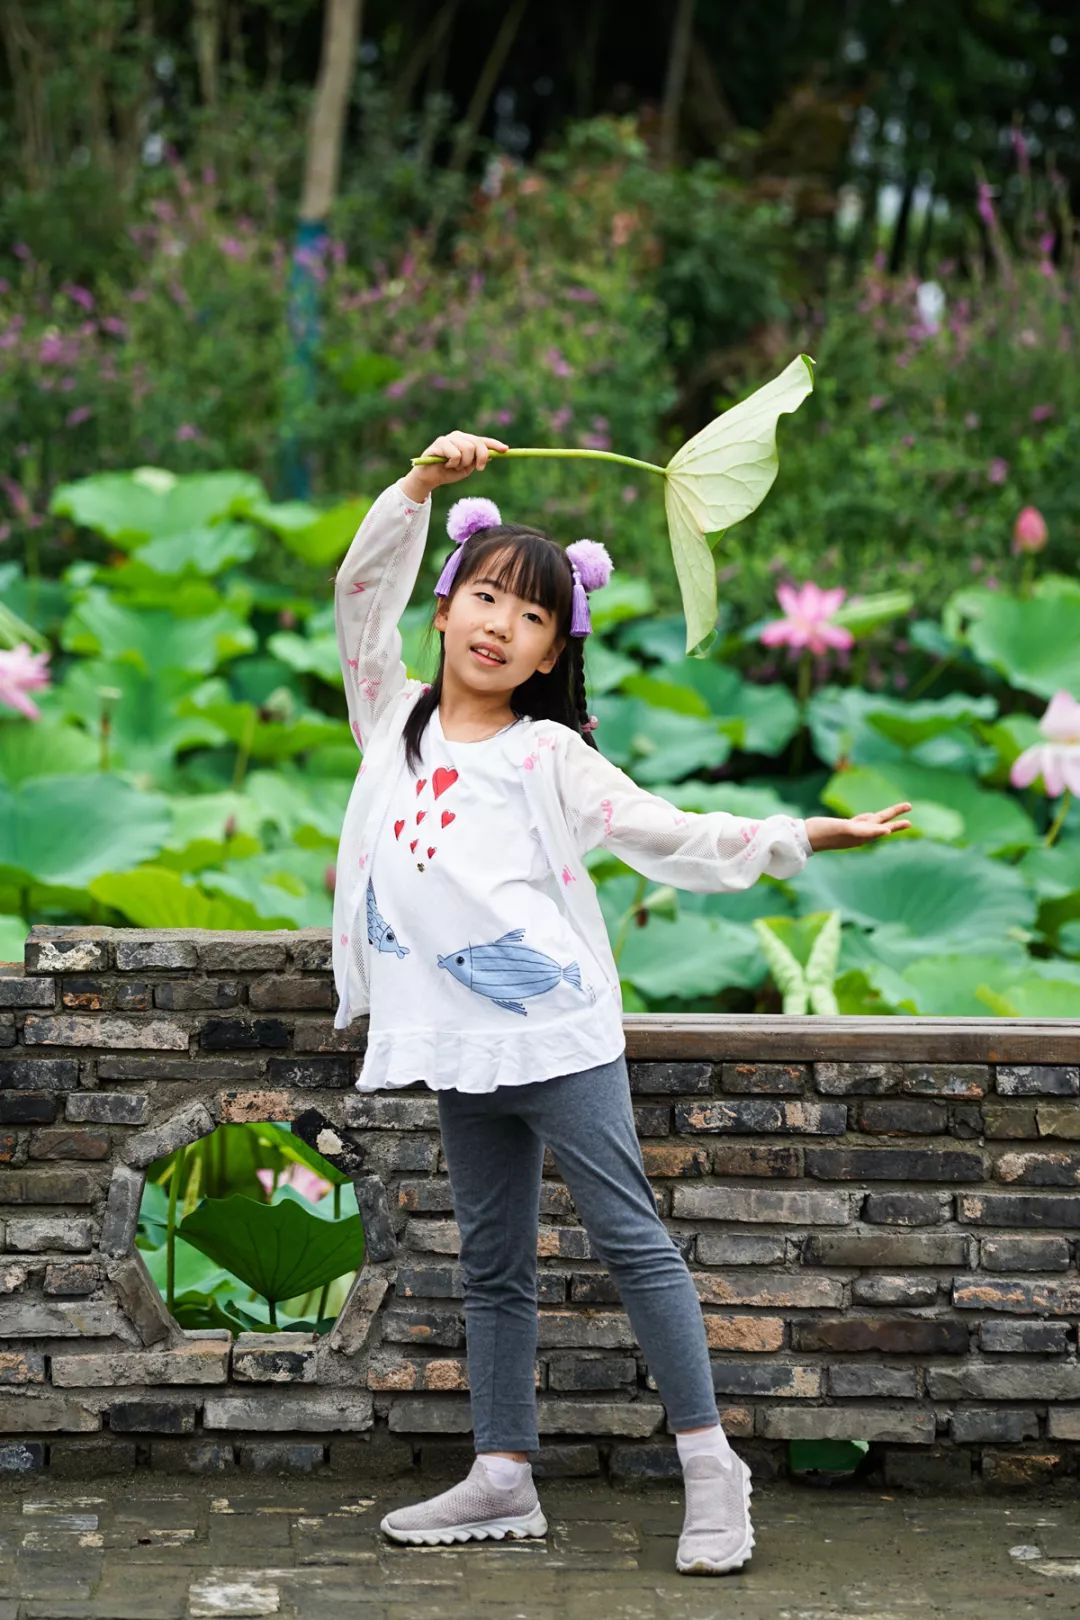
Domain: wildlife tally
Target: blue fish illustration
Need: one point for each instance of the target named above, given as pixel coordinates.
(507, 970)
(379, 932)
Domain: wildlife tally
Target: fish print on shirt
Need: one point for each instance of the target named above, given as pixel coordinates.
(507, 970)
(379, 932)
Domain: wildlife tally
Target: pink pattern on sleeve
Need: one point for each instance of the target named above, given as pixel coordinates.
(356, 732)
(357, 587)
(369, 686)
(344, 939)
(609, 815)
(568, 876)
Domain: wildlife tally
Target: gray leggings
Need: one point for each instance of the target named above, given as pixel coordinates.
(494, 1144)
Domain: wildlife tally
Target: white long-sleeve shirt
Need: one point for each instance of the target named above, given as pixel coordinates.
(576, 799)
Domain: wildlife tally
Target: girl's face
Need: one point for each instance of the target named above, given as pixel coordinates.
(522, 632)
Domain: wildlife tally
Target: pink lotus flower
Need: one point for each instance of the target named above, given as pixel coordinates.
(300, 1178)
(21, 671)
(1029, 531)
(1057, 760)
(806, 622)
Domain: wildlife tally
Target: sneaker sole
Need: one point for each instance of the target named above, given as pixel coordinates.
(517, 1529)
(735, 1560)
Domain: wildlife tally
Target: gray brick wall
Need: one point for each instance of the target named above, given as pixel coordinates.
(881, 1218)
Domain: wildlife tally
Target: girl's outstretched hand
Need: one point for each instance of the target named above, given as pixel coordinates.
(833, 832)
(465, 453)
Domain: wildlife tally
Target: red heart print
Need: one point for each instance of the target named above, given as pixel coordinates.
(448, 816)
(420, 814)
(397, 828)
(431, 851)
(413, 845)
(422, 783)
(442, 780)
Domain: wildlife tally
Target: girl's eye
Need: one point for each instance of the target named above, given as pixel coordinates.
(490, 598)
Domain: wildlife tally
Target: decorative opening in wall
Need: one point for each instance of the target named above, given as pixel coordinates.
(251, 1229)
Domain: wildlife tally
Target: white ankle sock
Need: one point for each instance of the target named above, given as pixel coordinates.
(712, 1441)
(504, 1472)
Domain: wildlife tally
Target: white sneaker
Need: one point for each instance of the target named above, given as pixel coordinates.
(474, 1510)
(717, 1534)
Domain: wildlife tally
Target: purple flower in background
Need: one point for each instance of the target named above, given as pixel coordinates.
(595, 441)
(503, 417)
(233, 248)
(81, 413)
(560, 418)
(629, 493)
(876, 402)
(582, 295)
(397, 388)
(998, 470)
(21, 251)
(187, 432)
(1041, 413)
(79, 295)
(972, 420)
(557, 363)
(114, 326)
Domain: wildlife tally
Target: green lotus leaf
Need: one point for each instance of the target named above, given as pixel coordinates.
(919, 898)
(988, 820)
(308, 655)
(693, 957)
(739, 798)
(842, 728)
(1034, 998)
(861, 614)
(909, 724)
(604, 668)
(155, 641)
(155, 897)
(206, 551)
(266, 736)
(70, 829)
(284, 887)
(948, 986)
(46, 747)
(147, 728)
(1033, 641)
(662, 638)
(194, 1271)
(279, 1249)
(622, 598)
(130, 507)
(315, 536)
(653, 689)
(13, 932)
(296, 806)
(658, 745)
(1053, 872)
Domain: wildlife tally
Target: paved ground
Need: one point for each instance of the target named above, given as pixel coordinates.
(154, 1547)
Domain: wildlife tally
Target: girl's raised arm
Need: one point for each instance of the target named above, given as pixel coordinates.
(705, 851)
(371, 592)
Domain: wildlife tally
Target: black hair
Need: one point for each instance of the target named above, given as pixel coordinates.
(535, 568)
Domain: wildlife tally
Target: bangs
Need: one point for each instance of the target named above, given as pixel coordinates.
(524, 564)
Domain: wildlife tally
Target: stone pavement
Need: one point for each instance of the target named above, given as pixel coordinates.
(154, 1547)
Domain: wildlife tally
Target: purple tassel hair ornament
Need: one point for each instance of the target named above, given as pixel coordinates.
(591, 567)
(465, 517)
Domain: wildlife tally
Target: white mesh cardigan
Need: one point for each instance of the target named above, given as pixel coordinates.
(580, 800)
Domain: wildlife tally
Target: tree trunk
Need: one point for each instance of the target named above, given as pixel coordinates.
(428, 41)
(206, 27)
(485, 85)
(329, 109)
(675, 81)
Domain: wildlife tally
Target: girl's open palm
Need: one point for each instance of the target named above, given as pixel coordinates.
(834, 832)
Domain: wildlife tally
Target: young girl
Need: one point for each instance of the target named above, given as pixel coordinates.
(466, 925)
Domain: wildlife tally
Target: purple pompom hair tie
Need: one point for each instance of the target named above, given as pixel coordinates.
(464, 518)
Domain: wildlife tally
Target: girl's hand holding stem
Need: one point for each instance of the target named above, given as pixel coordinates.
(465, 454)
(833, 832)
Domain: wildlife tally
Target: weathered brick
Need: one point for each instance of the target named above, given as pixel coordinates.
(355, 1326)
(92, 1319)
(652, 1119)
(13, 1278)
(1008, 1119)
(281, 1457)
(1019, 1297)
(738, 1249)
(849, 1079)
(995, 1381)
(431, 1414)
(1017, 1209)
(141, 1300)
(318, 1073)
(198, 995)
(18, 991)
(315, 1034)
(279, 991)
(22, 1367)
(37, 1234)
(1038, 1079)
(846, 1423)
(186, 1126)
(1024, 1338)
(121, 1211)
(893, 1164)
(992, 1423)
(232, 954)
(433, 1194)
(789, 1078)
(674, 1078)
(1042, 1168)
(627, 1418)
(299, 1410)
(769, 1288)
(971, 1080)
(584, 1330)
(228, 1034)
(891, 1335)
(152, 1034)
(48, 1187)
(744, 1204)
(108, 1107)
(732, 1157)
(446, 1329)
(906, 1208)
(591, 1372)
(13, 1147)
(756, 1335)
(777, 1379)
(896, 1290)
(897, 1117)
(71, 1279)
(147, 1415)
(22, 1457)
(46, 1413)
(310, 950)
(675, 1158)
(849, 1380)
(48, 949)
(39, 1074)
(275, 1358)
(1063, 1423)
(370, 1112)
(886, 1249)
(137, 951)
(759, 1114)
(197, 1362)
(177, 1455)
(27, 1108)
(223, 1070)
(1057, 1119)
(64, 1143)
(84, 993)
